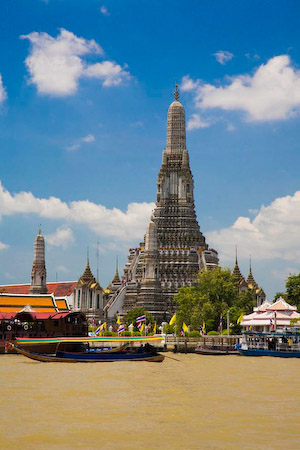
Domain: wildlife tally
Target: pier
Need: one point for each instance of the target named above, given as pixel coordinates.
(180, 344)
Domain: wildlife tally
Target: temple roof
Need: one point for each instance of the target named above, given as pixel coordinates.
(59, 289)
(236, 271)
(88, 279)
(12, 303)
(250, 280)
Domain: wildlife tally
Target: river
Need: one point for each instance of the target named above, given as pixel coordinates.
(198, 402)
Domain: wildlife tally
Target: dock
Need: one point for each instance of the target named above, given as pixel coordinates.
(180, 344)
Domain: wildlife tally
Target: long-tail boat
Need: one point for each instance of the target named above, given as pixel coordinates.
(77, 353)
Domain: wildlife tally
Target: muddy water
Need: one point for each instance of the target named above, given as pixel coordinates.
(200, 402)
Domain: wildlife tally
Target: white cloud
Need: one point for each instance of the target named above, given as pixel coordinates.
(3, 95)
(3, 246)
(196, 122)
(273, 233)
(137, 124)
(223, 56)
(71, 148)
(62, 237)
(104, 10)
(56, 64)
(111, 73)
(271, 93)
(114, 223)
(88, 138)
(230, 127)
(187, 84)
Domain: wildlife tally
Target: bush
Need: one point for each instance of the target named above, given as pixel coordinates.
(136, 333)
(108, 333)
(224, 332)
(213, 333)
(194, 334)
(126, 333)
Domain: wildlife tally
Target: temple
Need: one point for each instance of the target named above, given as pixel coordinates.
(38, 272)
(250, 284)
(174, 249)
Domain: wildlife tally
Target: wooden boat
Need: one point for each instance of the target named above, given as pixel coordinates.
(215, 351)
(283, 344)
(131, 354)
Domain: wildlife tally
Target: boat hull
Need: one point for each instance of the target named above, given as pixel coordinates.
(85, 358)
(215, 352)
(276, 353)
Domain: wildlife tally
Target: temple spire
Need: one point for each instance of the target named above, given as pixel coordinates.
(250, 280)
(236, 270)
(176, 140)
(116, 278)
(38, 272)
(176, 92)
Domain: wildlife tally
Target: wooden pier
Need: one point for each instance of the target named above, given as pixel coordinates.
(179, 344)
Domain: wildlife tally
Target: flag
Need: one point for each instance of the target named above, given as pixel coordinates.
(118, 320)
(141, 326)
(141, 318)
(98, 329)
(130, 328)
(184, 329)
(203, 328)
(120, 329)
(102, 327)
(220, 328)
(173, 319)
(93, 320)
(271, 324)
(240, 318)
(154, 328)
(250, 328)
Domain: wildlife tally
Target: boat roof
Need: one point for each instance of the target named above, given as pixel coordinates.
(157, 337)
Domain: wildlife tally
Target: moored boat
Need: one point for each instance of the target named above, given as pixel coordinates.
(216, 351)
(284, 344)
(123, 353)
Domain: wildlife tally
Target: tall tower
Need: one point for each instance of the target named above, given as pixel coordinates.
(181, 250)
(38, 272)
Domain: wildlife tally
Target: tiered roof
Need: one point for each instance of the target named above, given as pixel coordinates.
(13, 303)
(88, 279)
(59, 289)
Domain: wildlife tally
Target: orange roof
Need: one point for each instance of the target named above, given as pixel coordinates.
(59, 289)
(39, 303)
(62, 304)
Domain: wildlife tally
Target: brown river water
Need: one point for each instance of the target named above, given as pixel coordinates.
(198, 402)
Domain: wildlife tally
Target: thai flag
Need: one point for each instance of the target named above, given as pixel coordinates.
(98, 329)
(139, 325)
(272, 324)
(141, 318)
(182, 332)
(121, 328)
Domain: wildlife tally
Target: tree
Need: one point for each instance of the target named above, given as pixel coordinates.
(209, 298)
(279, 294)
(293, 290)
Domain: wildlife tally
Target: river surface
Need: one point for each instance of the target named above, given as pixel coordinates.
(198, 402)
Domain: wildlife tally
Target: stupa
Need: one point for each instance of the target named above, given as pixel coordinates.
(174, 249)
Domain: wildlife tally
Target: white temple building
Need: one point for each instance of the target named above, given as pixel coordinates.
(270, 316)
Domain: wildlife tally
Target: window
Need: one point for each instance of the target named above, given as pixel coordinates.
(98, 301)
(91, 299)
(78, 299)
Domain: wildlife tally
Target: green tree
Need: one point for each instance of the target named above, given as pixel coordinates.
(210, 297)
(293, 290)
(279, 294)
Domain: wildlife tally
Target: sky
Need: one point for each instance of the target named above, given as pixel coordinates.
(84, 93)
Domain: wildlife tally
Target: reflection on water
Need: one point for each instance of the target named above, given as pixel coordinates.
(200, 402)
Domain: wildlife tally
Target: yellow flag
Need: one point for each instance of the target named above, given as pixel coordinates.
(119, 320)
(142, 328)
(250, 328)
(185, 327)
(130, 328)
(173, 320)
(154, 328)
(203, 327)
(240, 318)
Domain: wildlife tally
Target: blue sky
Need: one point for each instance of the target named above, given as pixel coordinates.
(84, 93)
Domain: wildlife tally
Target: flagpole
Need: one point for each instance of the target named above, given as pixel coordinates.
(228, 331)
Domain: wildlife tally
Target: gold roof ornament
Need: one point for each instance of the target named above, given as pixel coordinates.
(176, 92)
